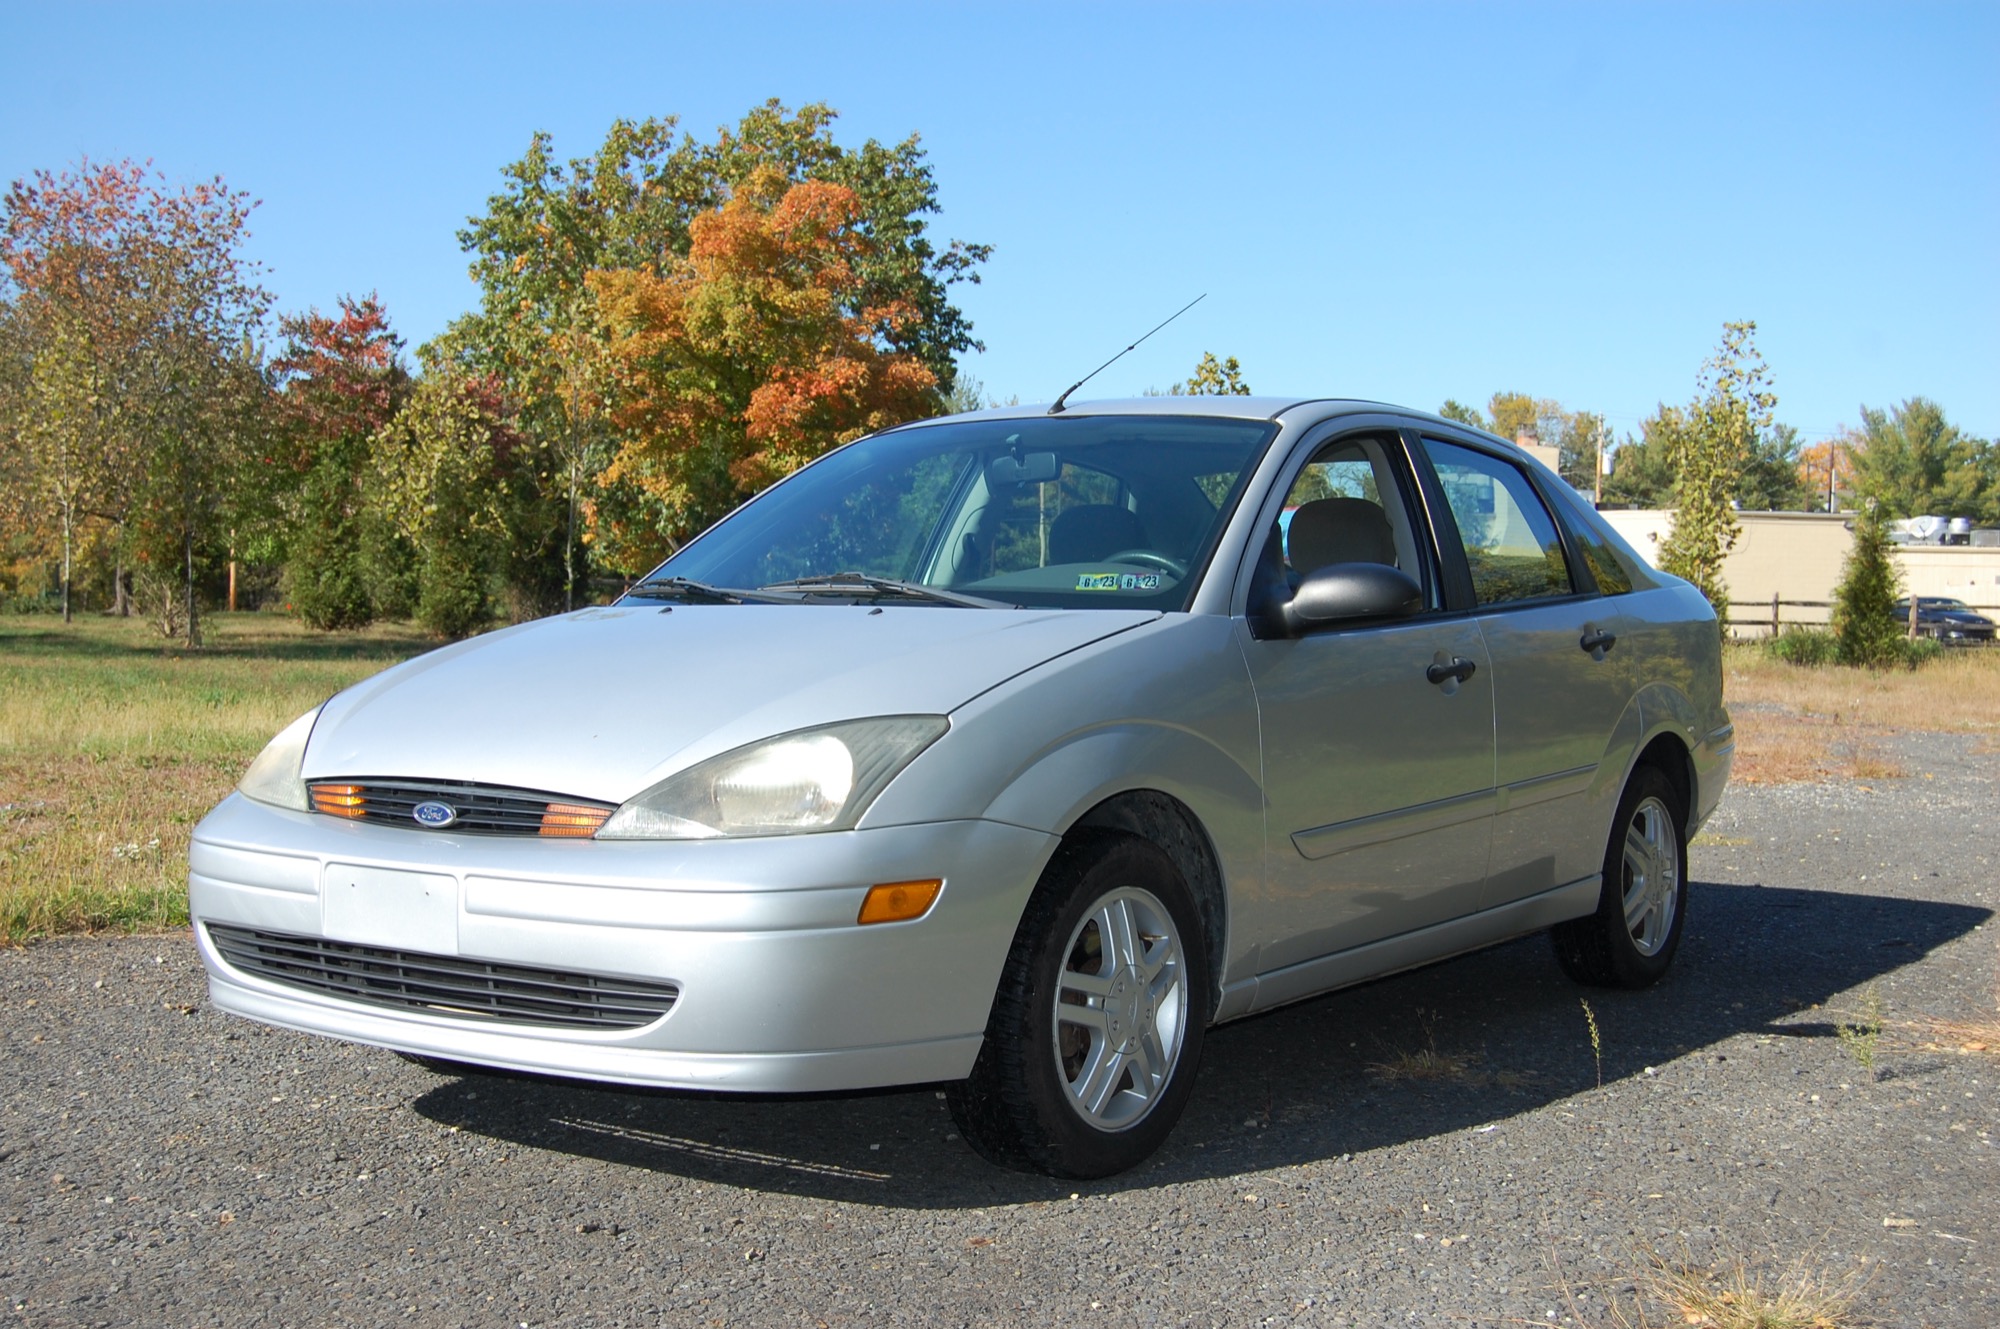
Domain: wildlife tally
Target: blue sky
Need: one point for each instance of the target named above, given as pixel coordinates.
(1404, 202)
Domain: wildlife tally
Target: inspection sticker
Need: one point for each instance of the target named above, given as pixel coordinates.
(1097, 581)
(1139, 581)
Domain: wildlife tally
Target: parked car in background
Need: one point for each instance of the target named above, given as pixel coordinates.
(1010, 751)
(1950, 621)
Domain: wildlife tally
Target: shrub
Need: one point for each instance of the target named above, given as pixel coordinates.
(324, 578)
(1921, 651)
(1864, 604)
(451, 589)
(1802, 646)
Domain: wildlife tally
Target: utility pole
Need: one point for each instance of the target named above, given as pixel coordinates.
(1597, 499)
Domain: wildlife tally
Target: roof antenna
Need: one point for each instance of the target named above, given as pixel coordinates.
(1057, 409)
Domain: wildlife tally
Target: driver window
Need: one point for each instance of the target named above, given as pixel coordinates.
(1346, 507)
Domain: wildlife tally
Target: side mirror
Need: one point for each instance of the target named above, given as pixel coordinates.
(1343, 593)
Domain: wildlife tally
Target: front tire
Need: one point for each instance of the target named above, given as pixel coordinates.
(1097, 1026)
(1630, 941)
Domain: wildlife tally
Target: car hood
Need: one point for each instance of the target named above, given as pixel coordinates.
(602, 703)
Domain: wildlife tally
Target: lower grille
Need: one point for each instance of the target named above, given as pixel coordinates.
(444, 984)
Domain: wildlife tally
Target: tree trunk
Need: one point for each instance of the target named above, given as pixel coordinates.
(121, 599)
(65, 563)
(187, 550)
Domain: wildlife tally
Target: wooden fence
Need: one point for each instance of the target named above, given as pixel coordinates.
(1768, 618)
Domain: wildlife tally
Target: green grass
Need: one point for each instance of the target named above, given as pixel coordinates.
(113, 744)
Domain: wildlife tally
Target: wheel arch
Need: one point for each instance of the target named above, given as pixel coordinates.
(1668, 753)
(1172, 827)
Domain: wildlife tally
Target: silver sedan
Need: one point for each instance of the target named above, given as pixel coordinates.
(1011, 751)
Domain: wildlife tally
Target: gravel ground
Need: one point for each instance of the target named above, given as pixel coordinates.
(161, 1164)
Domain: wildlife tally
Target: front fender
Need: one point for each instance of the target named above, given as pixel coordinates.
(1165, 707)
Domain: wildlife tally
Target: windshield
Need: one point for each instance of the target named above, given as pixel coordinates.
(1085, 512)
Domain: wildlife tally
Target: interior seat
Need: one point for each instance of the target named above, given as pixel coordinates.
(1340, 530)
(1090, 532)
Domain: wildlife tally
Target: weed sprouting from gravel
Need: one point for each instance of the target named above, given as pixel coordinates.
(1426, 1062)
(1596, 1039)
(1861, 1033)
(1684, 1293)
(1729, 1296)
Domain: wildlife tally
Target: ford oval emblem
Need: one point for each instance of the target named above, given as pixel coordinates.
(437, 816)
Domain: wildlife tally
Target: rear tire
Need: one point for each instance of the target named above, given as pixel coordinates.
(1097, 1025)
(1630, 941)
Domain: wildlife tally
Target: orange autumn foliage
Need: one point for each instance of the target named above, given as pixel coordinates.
(756, 353)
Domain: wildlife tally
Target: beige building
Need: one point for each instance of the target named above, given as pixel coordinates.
(1795, 558)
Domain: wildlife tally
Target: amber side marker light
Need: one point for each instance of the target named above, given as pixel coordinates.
(898, 901)
(572, 821)
(340, 800)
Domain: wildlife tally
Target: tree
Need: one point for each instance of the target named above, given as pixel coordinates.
(1453, 409)
(1513, 414)
(438, 471)
(134, 311)
(1642, 474)
(1707, 448)
(1772, 480)
(756, 353)
(1826, 470)
(632, 208)
(339, 380)
(1213, 378)
(1579, 441)
(1914, 462)
(1864, 612)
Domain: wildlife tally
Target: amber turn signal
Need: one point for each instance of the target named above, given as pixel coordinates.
(340, 800)
(572, 821)
(898, 901)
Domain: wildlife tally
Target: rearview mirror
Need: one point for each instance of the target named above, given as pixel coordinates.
(1027, 469)
(1344, 593)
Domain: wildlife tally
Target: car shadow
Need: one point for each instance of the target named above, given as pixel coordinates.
(1454, 1046)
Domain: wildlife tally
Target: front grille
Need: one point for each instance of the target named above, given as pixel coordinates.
(444, 984)
(482, 809)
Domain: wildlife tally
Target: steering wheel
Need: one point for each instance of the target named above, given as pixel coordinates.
(1150, 558)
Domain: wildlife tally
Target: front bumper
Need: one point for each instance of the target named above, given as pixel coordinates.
(779, 989)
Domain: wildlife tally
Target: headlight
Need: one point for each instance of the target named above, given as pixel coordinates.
(274, 777)
(813, 780)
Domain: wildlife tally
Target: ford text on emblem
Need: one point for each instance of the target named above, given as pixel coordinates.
(437, 816)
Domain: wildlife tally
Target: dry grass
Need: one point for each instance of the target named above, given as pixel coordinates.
(112, 745)
(1801, 723)
(1977, 1036)
(1730, 1296)
(1973, 1036)
(1426, 1062)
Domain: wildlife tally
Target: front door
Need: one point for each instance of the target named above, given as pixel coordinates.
(1378, 769)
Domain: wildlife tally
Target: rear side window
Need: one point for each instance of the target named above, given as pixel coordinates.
(1605, 569)
(1610, 565)
(1511, 543)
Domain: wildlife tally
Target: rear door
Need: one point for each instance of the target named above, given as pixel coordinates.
(1561, 683)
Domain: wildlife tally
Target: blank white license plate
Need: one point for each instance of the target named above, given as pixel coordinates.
(405, 911)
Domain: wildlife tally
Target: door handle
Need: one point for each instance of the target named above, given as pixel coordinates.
(1597, 640)
(1460, 668)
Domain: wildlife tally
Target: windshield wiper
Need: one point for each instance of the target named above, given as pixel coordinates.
(861, 584)
(697, 592)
